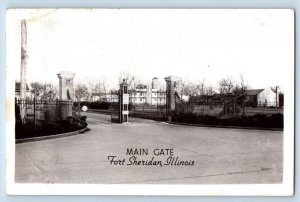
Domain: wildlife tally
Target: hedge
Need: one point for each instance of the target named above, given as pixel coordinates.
(259, 120)
(94, 105)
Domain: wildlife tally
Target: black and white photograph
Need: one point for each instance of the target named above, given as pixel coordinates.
(150, 101)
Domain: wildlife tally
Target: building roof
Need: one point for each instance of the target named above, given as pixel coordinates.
(18, 86)
(253, 91)
(141, 86)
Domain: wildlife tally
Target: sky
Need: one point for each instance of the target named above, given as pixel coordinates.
(197, 45)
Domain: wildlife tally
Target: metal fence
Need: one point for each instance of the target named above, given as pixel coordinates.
(155, 112)
(263, 104)
(232, 107)
(213, 108)
(227, 109)
(37, 111)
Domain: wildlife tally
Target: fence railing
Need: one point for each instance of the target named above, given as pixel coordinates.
(225, 109)
(37, 111)
(229, 108)
(262, 104)
(156, 112)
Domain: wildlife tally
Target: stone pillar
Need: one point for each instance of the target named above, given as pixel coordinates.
(173, 85)
(66, 85)
(66, 94)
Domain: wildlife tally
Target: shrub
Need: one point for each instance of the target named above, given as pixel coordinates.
(70, 124)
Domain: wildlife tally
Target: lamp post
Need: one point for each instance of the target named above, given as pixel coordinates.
(124, 101)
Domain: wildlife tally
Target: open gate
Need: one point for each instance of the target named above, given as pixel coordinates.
(114, 106)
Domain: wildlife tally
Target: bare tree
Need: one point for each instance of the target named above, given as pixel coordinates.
(37, 88)
(129, 78)
(91, 90)
(241, 86)
(209, 90)
(243, 83)
(44, 90)
(226, 86)
(81, 91)
(189, 88)
(97, 88)
(100, 88)
(200, 87)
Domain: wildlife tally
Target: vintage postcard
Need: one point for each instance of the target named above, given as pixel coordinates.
(150, 102)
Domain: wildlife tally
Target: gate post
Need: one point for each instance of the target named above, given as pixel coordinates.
(66, 93)
(124, 102)
(173, 86)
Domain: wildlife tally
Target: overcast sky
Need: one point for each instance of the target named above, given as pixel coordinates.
(194, 44)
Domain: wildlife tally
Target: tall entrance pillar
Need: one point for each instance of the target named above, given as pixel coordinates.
(66, 85)
(173, 89)
(66, 94)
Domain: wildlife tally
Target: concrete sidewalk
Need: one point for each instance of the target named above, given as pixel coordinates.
(220, 155)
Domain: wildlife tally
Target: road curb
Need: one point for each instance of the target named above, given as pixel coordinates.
(99, 111)
(33, 139)
(220, 126)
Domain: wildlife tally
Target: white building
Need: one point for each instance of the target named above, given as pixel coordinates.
(147, 94)
(262, 97)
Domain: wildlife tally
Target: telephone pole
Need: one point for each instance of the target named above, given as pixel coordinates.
(23, 70)
(277, 95)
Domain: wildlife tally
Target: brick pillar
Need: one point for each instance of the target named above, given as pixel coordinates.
(66, 85)
(173, 84)
(66, 94)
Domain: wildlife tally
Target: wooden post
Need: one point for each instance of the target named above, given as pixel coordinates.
(23, 70)
(156, 105)
(34, 109)
(276, 96)
(111, 107)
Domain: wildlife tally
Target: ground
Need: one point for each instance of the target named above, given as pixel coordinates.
(220, 155)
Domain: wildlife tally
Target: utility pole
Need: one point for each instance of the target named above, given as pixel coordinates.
(276, 91)
(23, 70)
(276, 95)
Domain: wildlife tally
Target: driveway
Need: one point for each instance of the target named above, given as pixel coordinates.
(218, 155)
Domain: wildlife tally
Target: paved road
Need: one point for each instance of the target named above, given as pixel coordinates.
(219, 155)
